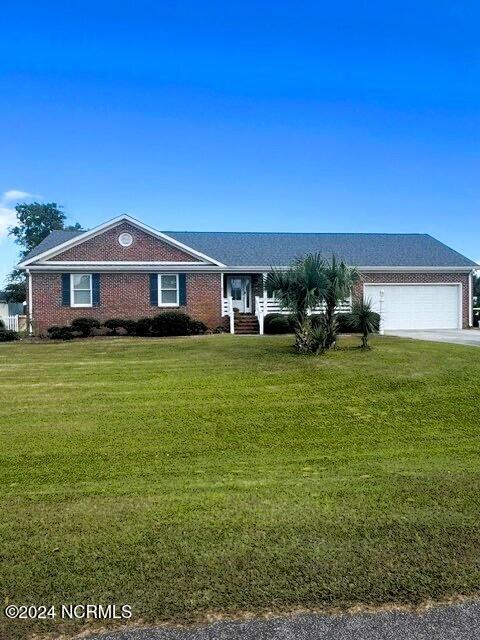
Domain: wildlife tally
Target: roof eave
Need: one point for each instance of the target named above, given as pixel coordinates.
(209, 267)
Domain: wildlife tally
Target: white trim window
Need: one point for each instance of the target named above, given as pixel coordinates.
(81, 289)
(168, 290)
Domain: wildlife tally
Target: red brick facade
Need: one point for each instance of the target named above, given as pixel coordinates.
(144, 248)
(127, 294)
(423, 278)
(123, 295)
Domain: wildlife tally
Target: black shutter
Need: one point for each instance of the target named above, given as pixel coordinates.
(65, 289)
(95, 289)
(182, 289)
(154, 289)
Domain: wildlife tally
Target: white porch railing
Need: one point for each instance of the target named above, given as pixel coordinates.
(265, 306)
(261, 306)
(273, 306)
(10, 322)
(227, 306)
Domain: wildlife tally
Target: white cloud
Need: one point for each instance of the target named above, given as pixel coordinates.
(7, 212)
(14, 195)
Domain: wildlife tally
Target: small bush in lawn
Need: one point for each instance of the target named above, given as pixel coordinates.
(115, 324)
(196, 327)
(276, 323)
(6, 335)
(144, 327)
(171, 323)
(349, 324)
(364, 320)
(60, 333)
(85, 326)
(343, 322)
(2, 325)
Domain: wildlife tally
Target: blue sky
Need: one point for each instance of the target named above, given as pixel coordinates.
(283, 116)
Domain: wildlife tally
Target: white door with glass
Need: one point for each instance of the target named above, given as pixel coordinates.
(240, 289)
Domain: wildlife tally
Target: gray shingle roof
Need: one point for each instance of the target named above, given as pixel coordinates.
(360, 249)
(279, 249)
(52, 240)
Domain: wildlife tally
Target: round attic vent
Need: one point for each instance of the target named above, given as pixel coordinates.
(125, 239)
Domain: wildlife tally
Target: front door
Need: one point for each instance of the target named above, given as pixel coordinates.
(240, 288)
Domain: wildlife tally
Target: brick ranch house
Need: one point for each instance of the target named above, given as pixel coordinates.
(123, 268)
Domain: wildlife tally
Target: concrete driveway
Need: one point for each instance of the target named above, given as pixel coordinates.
(449, 622)
(469, 337)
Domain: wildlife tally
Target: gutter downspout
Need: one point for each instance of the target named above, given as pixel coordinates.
(30, 309)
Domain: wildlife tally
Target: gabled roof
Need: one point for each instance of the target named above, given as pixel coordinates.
(239, 249)
(52, 246)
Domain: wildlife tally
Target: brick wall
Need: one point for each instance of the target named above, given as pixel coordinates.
(128, 295)
(105, 247)
(422, 278)
(124, 295)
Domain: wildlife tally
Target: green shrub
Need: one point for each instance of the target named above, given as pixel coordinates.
(220, 329)
(350, 323)
(85, 326)
(171, 323)
(2, 325)
(343, 320)
(60, 333)
(276, 323)
(130, 326)
(144, 327)
(6, 335)
(196, 327)
(344, 323)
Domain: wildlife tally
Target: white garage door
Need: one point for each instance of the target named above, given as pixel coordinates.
(419, 306)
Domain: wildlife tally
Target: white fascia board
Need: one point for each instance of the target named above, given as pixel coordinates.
(108, 225)
(121, 263)
(463, 269)
(119, 267)
(266, 269)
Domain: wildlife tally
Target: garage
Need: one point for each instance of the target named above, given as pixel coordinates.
(416, 306)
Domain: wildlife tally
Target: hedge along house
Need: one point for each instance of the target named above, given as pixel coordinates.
(123, 268)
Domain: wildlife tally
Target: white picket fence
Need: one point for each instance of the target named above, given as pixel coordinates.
(10, 322)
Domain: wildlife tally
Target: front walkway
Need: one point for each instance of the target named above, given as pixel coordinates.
(454, 336)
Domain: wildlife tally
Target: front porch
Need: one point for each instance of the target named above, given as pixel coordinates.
(245, 302)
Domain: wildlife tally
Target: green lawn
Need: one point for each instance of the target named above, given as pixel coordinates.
(227, 474)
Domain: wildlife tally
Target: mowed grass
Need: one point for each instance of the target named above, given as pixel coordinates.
(227, 474)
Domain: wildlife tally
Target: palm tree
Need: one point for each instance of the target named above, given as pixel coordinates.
(363, 319)
(340, 281)
(300, 288)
